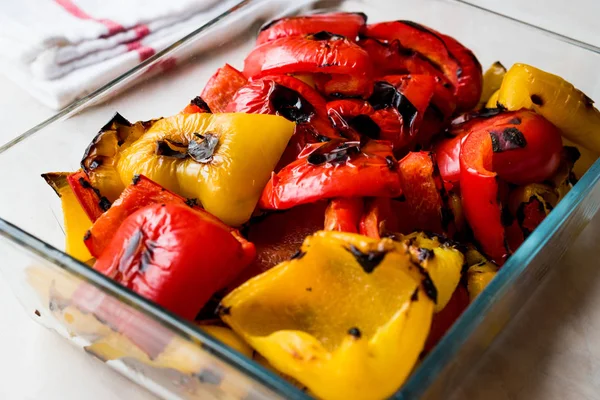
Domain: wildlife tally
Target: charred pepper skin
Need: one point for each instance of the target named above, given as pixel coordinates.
(175, 256)
(343, 24)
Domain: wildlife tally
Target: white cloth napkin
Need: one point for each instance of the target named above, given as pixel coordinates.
(60, 50)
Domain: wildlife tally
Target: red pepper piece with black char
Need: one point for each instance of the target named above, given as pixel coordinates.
(334, 169)
(175, 256)
(456, 63)
(343, 214)
(341, 23)
(341, 66)
(534, 142)
(197, 105)
(90, 199)
(527, 150)
(292, 99)
(352, 118)
(221, 87)
(141, 193)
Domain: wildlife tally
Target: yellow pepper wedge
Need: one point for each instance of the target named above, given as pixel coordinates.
(222, 160)
(75, 220)
(480, 272)
(100, 158)
(492, 79)
(347, 316)
(554, 98)
(443, 262)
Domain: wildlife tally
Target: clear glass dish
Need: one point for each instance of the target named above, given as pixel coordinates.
(173, 358)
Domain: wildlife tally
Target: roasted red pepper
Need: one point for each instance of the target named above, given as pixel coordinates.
(380, 215)
(141, 193)
(457, 64)
(344, 24)
(348, 67)
(221, 87)
(175, 256)
(527, 148)
(479, 191)
(334, 169)
(343, 214)
(90, 199)
(293, 99)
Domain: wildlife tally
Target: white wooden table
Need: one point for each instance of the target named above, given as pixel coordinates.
(551, 351)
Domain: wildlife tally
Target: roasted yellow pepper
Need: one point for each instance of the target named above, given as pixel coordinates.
(554, 98)
(76, 222)
(480, 272)
(100, 158)
(492, 79)
(443, 262)
(222, 160)
(347, 316)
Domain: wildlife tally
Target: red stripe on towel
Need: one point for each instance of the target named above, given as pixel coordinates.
(77, 12)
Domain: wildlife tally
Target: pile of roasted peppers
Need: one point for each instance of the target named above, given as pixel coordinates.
(341, 199)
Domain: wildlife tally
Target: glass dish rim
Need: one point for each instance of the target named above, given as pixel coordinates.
(437, 359)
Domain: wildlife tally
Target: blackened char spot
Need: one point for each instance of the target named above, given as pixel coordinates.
(515, 121)
(117, 119)
(338, 154)
(298, 255)
(355, 332)
(203, 151)
(84, 183)
(87, 236)
(269, 24)
(424, 254)
(427, 283)
(191, 202)
(415, 295)
(508, 139)
(222, 310)
(290, 105)
(136, 179)
(386, 95)
(104, 203)
(324, 35)
(201, 104)
(368, 261)
(537, 100)
(364, 125)
(571, 154)
(309, 289)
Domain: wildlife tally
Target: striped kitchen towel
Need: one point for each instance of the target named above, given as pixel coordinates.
(61, 50)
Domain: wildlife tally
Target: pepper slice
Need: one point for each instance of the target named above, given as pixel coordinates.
(342, 23)
(527, 148)
(75, 219)
(290, 98)
(456, 62)
(343, 214)
(223, 160)
(221, 87)
(174, 256)
(346, 350)
(89, 197)
(100, 158)
(334, 169)
(141, 193)
(347, 64)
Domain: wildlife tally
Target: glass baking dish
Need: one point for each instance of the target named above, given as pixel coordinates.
(173, 358)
